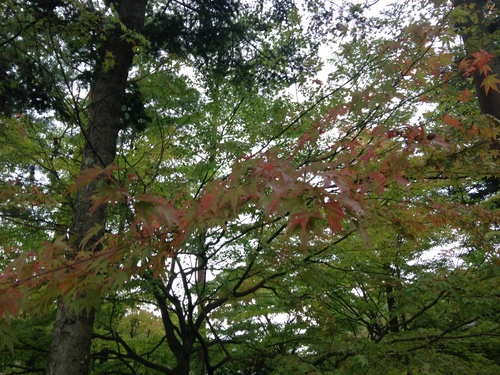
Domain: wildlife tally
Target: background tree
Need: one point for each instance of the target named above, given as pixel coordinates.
(100, 57)
(479, 29)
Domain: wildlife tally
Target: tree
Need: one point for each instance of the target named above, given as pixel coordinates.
(104, 57)
(274, 235)
(73, 332)
(479, 29)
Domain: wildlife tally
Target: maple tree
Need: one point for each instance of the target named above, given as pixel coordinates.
(243, 231)
(479, 30)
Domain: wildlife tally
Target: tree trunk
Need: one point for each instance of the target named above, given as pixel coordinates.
(391, 301)
(201, 279)
(72, 332)
(488, 103)
(477, 33)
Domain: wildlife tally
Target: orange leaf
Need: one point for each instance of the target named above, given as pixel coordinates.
(481, 59)
(448, 120)
(465, 96)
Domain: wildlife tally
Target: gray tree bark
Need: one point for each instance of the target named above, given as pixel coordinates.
(72, 332)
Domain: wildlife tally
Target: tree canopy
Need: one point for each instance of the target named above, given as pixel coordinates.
(249, 187)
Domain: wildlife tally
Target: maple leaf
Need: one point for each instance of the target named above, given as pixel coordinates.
(90, 174)
(479, 63)
(334, 215)
(208, 202)
(148, 205)
(448, 120)
(490, 82)
(272, 207)
(465, 96)
(107, 194)
(481, 59)
(9, 302)
(92, 232)
(465, 67)
(304, 220)
(485, 69)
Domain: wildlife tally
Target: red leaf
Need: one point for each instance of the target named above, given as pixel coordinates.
(480, 62)
(481, 59)
(108, 194)
(8, 302)
(147, 205)
(334, 216)
(401, 180)
(304, 219)
(207, 202)
(90, 174)
(272, 207)
(448, 120)
(465, 96)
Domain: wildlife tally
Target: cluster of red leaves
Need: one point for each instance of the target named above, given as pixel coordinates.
(311, 197)
(480, 64)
